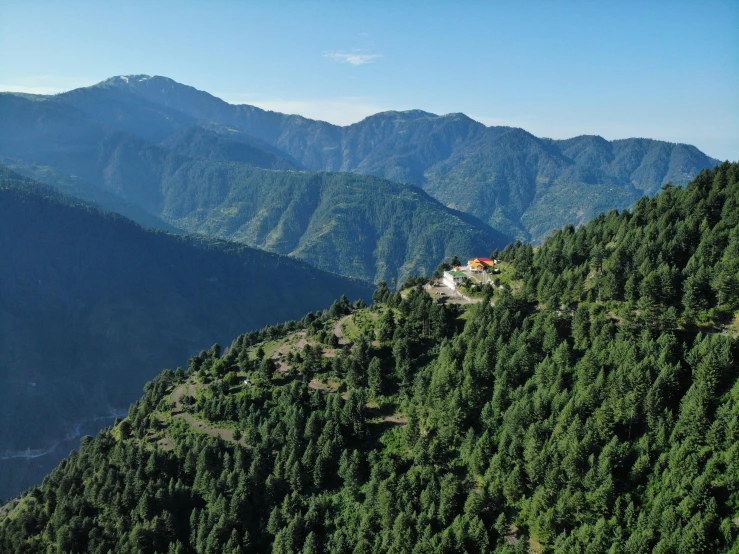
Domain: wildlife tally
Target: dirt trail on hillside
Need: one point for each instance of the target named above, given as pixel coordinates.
(339, 332)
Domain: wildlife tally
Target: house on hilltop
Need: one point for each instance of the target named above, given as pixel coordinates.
(480, 264)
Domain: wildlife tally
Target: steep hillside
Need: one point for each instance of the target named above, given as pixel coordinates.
(116, 108)
(672, 262)
(558, 415)
(516, 182)
(358, 226)
(92, 306)
(48, 133)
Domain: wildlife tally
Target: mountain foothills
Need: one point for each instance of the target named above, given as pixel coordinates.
(92, 306)
(522, 185)
(200, 181)
(588, 404)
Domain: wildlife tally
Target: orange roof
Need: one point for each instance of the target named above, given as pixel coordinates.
(481, 261)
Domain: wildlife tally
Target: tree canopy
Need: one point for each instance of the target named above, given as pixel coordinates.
(592, 407)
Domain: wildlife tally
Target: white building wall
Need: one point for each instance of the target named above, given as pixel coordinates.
(450, 281)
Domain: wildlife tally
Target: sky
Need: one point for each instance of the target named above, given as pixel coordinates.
(647, 68)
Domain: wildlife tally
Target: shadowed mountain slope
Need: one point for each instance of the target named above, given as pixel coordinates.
(92, 306)
(228, 145)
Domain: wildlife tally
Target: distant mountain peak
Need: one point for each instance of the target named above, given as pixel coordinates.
(129, 78)
(459, 115)
(406, 115)
(124, 79)
(595, 139)
(415, 114)
(137, 82)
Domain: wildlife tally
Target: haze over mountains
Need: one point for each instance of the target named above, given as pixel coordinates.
(520, 185)
(505, 176)
(92, 306)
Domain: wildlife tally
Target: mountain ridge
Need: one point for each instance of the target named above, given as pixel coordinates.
(519, 184)
(460, 161)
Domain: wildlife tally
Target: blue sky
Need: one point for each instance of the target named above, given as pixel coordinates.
(665, 70)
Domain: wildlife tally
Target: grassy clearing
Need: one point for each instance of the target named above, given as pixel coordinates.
(268, 346)
(504, 276)
(350, 329)
(361, 321)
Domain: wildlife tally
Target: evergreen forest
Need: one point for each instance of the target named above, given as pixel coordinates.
(590, 404)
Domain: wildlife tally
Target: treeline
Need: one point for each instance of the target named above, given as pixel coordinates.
(556, 418)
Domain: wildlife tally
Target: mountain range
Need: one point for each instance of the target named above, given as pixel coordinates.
(519, 184)
(129, 134)
(388, 197)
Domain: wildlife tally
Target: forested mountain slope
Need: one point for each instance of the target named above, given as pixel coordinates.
(520, 184)
(572, 414)
(672, 261)
(92, 306)
(355, 225)
(73, 185)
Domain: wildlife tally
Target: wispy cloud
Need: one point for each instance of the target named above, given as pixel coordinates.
(356, 57)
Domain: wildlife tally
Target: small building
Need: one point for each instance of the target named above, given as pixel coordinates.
(453, 279)
(480, 264)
